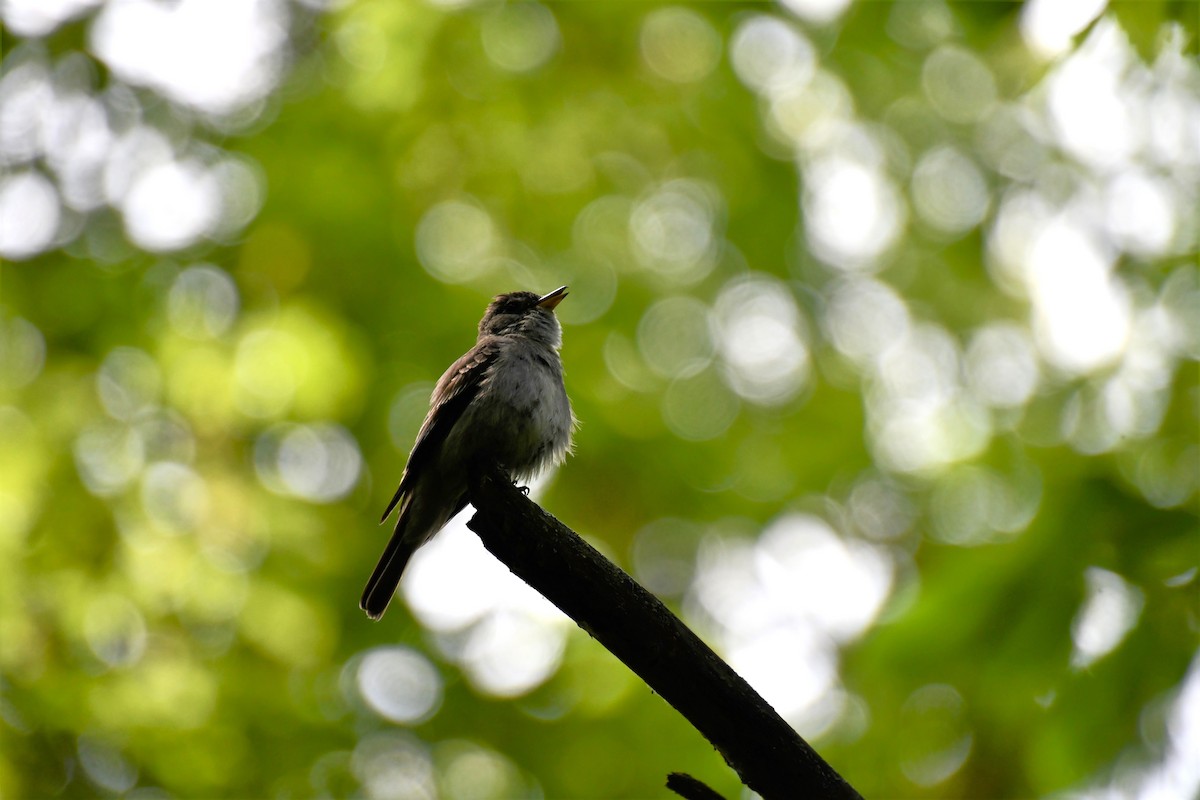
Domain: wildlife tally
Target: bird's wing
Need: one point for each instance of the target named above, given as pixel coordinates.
(457, 387)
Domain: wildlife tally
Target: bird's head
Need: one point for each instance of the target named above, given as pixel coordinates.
(524, 313)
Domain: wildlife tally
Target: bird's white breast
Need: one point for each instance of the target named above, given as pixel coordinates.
(521, 417)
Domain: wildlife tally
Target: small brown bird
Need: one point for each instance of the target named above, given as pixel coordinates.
(502, 403)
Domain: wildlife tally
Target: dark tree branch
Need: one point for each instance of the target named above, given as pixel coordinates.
(689, 788)
(637, 628)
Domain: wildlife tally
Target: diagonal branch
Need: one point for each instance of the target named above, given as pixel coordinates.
(637, 628)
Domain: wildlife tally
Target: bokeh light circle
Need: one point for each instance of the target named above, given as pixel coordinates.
(400, 684)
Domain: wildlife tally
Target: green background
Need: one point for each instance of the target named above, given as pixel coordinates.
(178, 612)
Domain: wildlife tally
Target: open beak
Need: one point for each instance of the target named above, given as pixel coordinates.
(551, 300)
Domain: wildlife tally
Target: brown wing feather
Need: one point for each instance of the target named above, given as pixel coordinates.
(457, 388)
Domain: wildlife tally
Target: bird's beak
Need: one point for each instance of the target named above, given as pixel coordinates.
(551, 300)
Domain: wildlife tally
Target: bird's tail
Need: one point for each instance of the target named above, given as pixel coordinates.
(386, 577)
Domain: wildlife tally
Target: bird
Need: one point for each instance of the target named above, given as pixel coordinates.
(502, 404)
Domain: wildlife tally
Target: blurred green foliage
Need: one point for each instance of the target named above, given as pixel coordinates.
(815, 291)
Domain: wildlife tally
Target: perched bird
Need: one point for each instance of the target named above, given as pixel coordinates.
(502, 404)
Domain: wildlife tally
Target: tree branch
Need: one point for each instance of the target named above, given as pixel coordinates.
(689, 788)
(637, 628)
